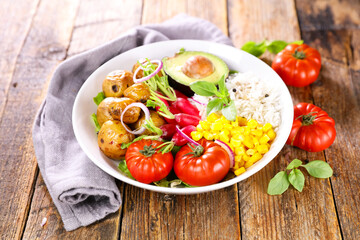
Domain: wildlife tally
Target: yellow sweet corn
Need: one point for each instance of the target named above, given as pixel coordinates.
(199, 128)
(228, 126)
(235, 142)
(205, 125)
(252, 123)
(264, 139)
(208, 136)
(196, 135)
(213, 117)
(216, 126)
(239, 171)
(239, 150)
(248, 142)
(267, 127)
(255, 141)
(251, 152)
(262, 149)
(242, 121)
(271, 134)
(224, 137)
(256, 157)
(256, 132)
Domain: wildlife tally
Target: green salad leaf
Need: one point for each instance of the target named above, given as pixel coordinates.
(258, 49)
(97, 125)
(123, 168)
(99, 98)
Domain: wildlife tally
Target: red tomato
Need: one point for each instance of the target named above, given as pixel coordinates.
(297, 65)
(204, 167)
(145, 163)
(313, 130)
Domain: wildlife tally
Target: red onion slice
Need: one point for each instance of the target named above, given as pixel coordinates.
(186, 136)
(197, 101)
(228, 150)
(147, 116)
(157, 70)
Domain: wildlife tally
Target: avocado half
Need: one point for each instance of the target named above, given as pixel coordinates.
(173, 67)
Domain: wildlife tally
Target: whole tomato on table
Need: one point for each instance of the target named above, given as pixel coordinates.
(202, 165)
(313, 130)
(145, 163)
(297, 65)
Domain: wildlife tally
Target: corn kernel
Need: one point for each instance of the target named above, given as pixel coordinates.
(239, 150)
(238, 158)
(256, 157)
(248, 164)
(199, 128)
(224, 137)
(267, 127)
(264, 139)
(256, 132)
(235, 142)
(204, 125)
(235, 123)
(252, 123)
(216, 126)
(246, 158)
(224, 120)
(262, 149)
(213, 117)
(228, 126)
(242, 121)
(251, 152)
(196, 135)
(248, 142)
(239, 171)
(208, 136)
(259, 126)
(241, 163)
(236, 166)
(255, 141)
(246, 130)
(271, 134)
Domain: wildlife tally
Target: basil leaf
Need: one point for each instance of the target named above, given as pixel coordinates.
(98, 99)
(214, 106)
(256, 49)
(278, 184)
(97, 125)
(297, 42)
(222, 86)
(276, 46)
(203, 88)
(297, 179)
(319, 169)
(233, 72)
(123, 168)
(229, 111)
(294, 164)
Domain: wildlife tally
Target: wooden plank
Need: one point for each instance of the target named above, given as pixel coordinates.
(337, 93)
(310, 214)
(328, 15)
(15, 18)
(40, 53)
(151, 215)
(85, 35)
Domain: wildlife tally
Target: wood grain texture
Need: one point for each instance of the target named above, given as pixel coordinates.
(42, 206)
(215, 11)
(40, 52)
(337, 92)
(151, 215)
(292, 215)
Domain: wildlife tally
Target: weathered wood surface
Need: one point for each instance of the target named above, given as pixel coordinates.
(40, 34)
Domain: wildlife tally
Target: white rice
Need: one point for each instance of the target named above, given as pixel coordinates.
(253, 98)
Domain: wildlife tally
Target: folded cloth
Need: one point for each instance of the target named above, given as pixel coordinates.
(81, 191)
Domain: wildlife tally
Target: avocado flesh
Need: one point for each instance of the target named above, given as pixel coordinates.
(173, 66)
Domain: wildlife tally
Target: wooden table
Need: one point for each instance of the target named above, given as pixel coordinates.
(36, 35)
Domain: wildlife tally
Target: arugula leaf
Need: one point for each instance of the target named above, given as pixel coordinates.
(165, 183)
(214, 106)
(97, 125)
(297, 179)
(123, 168)
(203, 88)
(98, 99)
(229, 111)
(278, 184)
(319, 169)
(294, 164)
(256, 49)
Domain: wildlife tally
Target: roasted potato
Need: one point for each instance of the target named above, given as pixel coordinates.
(111, 109)
(140, 73)
(155, 117)
(117, 82)
(111, 135)
(139, 92)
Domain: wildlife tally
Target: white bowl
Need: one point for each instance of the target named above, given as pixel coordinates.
(236, 59)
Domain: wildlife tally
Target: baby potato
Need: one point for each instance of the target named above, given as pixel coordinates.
(117, 82)
(155, 117)
(140, 73)
(139, 92)
(111, 108)
(111, 135)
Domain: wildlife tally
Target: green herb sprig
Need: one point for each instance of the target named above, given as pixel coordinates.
(258, 49)
(282, 180)
(222, 102)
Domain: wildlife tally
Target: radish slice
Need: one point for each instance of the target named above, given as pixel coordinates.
(197, 101)
(157, 70)
(147, 116)
(186, 136)
(228, 150)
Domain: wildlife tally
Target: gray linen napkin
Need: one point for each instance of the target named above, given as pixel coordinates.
(81, 191)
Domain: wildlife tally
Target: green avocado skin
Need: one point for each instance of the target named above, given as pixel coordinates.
(173, 65)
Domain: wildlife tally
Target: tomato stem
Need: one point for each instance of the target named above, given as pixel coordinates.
(148, 151)
(197, 151)
(307, 119)
(299, 54)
